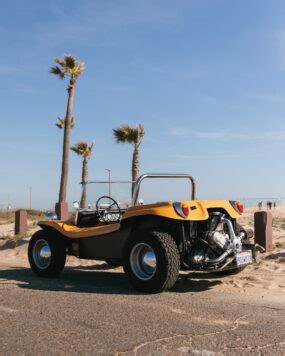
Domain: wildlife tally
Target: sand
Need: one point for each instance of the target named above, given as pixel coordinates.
(264, 279)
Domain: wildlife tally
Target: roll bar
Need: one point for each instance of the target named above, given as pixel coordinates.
(136, 187)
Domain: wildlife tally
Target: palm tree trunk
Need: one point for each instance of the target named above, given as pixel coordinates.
(135, 164)
(84, 181)
(66, 144)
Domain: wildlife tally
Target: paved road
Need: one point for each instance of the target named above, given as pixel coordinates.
(94, 311)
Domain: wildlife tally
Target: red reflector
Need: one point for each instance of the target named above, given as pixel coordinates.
(240, 207)
(185, 209)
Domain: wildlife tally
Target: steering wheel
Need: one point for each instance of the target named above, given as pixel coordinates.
(110, 213)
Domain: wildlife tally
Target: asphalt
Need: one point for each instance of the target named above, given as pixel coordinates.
(93, 311)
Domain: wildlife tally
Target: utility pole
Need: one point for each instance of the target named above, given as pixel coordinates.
(109, 179)
(30, 205)
(8, 207)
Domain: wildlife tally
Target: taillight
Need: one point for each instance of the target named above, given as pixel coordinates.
(237, 206)
(185, 209)
(240, 207)
(181, 209)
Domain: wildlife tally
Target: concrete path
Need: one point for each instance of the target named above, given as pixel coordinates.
(93, 310)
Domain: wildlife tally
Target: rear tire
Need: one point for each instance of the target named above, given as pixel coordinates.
(47, 253)
(152, 261)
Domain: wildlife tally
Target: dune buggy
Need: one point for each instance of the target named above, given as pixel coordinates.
(152, 242)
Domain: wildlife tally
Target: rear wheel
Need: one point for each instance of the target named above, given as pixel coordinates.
(47, 253)
(152, 261)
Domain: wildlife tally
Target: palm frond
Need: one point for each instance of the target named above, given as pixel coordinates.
(59, 61)
(77, 70)
(83, 149)
(70, 61)
(129, 134)
(141, 132)
(67, 65)
(72, 123)
(60, 123)
(57, 71)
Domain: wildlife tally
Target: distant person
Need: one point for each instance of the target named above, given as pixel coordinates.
(274, 205)
(270, 205)
(260, 205)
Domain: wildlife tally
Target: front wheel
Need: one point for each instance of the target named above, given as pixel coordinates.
(152, 261)
(47, 253)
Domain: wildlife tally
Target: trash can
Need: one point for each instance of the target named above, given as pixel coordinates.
(263, 229)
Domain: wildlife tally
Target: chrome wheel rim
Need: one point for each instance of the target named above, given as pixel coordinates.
(42, 254)
(143, 261)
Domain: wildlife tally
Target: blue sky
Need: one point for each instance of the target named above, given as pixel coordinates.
(205, 78)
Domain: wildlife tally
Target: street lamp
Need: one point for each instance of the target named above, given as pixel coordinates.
(109, 179)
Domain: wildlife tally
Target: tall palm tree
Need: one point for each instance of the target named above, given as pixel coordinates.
(84, 150)
(67, 66)
(133, 136)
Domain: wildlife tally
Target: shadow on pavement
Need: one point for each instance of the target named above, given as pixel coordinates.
(195, 282)
(276, 256)
(11, 243)
(87, 279)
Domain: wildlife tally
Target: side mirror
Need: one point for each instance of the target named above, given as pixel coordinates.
(76, 205)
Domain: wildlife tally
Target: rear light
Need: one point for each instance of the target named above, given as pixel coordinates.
(181, 209)
(240, 207)
(237, 206)
(185, 209)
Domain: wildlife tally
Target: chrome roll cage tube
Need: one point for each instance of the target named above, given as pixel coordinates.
(136, 187)
(235, 240)
(235, 245)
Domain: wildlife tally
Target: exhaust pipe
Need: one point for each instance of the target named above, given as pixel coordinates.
(235, 245)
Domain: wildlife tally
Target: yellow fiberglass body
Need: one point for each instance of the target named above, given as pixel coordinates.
(198, 209)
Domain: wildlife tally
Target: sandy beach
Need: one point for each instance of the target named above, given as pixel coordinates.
(263, 280)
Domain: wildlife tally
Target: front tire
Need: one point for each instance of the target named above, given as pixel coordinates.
(152, 261)
(47, 253)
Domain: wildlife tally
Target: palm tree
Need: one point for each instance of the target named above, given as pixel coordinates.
(84, 150)
(70, 67)
(61, 122)
(133, 136)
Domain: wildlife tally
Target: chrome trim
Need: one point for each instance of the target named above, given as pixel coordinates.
(235, 244)
(136, 187)
(42, 254)
(235, 240)
(143, 261)
(221, 258)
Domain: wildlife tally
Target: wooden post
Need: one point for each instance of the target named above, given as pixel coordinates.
(263, 229)
(21, 222)
(61, 210)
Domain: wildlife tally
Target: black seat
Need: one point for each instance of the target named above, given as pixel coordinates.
(86, 218)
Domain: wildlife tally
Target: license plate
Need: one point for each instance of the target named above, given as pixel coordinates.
(244, 258)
